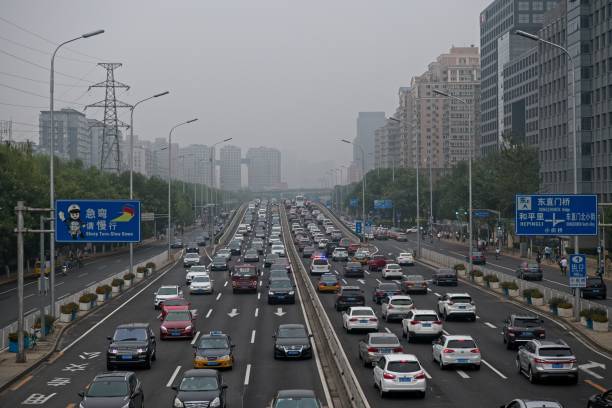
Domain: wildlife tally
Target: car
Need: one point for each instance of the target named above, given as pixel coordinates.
(353, 270)
(336, 236)
(396, 307)
(344, 243)
(529, 271)
(384, 290)
(235, 247)
(166, 292)
(281, 290)
(200, 388)
(172, 305)
(353, 247)
(377, 263)
(219, 263)
(178, 324)
(131, 344)
(257, 247)
(292, 341)
(520, 328)
(376, 345)
(478, 258)
(456, 305)
(192, 248)
(401, 237)
(274, 240)
(244, 278)
(177, 244)
(308, 251)
(260, 233)
(251, 255)
(190, 259)
(329, 248)
(421, 323)
(196, 270)
(456, 350)
(201, 240)
(319, 266)
(413, 283)
(595, 288)
(225, 252)
(399, 373)
(339, 254)
(543, 359)
(405, 258)
(322, 243)
(201, 284)
(411, 230)
(603, 400)
(445, 276)
(278, 249)
(391, 271)
(213, 350)
(296, 398)
(269, 259)
(360, 257)
(349, 296)
(328, 282)
(529, 403)
(359, 318)
(281, 263)
(116, 389)
(277, 274)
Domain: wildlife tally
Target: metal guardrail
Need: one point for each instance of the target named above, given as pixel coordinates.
(349, 233)
(348, 387)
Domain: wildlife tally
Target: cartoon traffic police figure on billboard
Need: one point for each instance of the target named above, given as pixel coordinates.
(73, 223)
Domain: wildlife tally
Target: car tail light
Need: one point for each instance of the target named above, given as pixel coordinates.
(372, 349)
(448, 351)
(398, 350)
(573, 361)
(353, 319)
(390, 307)
(472, 302)
(420, 375)
(450, 302)
(476, 351)
(415, 322)
(373, 319)
(437, 322)
(540, 361)
(388, 376)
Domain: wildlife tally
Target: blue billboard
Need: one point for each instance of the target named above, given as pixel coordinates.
(383, 204)
(97, 221)
(358, 227)
(577, 271)
(556, 214)
(354, 202)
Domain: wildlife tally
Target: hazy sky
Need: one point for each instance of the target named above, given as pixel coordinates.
(287, 74)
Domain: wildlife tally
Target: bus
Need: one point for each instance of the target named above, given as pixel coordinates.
(300, 201)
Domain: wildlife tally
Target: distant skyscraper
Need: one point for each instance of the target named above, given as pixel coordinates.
(72, 135)
(230, 168)
(264, 168)
(367, 123)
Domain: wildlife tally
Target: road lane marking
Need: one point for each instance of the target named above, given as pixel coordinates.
(437, 294)
(557, 283)
(256, 311)
(445, 332)
(253, 336)
(174, 374)
(361, 281)
(490, 325)
(344, 281)
(89, 284)
(502, 266)
(225, 284)
(258, 295)
(31, 311)
(209, 313)
(426, 373)
(30, 295)
(61, 283)
(21, 383)
(429, 290)
(367, 273)
(477, 317)
(195, 338)
(81, 275)
(388, 331)
(63, 296)
(462, 374)
(218, 296)
(495, 370)
(378, 280)
(247, 374)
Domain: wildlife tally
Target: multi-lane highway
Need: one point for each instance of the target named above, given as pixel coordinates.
(247, 318)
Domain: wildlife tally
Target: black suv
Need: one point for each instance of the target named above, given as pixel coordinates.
(349, 296)
(445, 276)
(116, 389)
(521, 328)
(132, 343)
(200, 388)
(292, 341)
(192, 247)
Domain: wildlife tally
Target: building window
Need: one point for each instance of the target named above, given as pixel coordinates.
(523, 6)
(538, 18)
(523, 18)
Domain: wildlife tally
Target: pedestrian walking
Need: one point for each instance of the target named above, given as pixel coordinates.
(547, 253)
(563, 265)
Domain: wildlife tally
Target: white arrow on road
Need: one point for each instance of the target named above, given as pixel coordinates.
(279, 312)
(587, 368)
(233, 313)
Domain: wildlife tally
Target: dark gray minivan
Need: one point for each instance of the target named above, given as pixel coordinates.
(445, 276)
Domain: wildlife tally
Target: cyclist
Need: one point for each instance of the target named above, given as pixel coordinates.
(563, 265)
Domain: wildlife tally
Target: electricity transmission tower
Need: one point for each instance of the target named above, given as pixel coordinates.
(110, 153)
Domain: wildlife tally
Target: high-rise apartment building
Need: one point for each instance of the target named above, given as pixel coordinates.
(367, 123)
(404, 114)
(195, 164)
(264, 166)
(230, 168)
(72, 135)
(498, 47)
(387, 145)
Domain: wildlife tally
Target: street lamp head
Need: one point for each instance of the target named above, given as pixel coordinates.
(87, 35)
(192, 120)
(393, 119)
(441, 93)
(346, 141)
(228, 139)
(161, 94)
(525, 34)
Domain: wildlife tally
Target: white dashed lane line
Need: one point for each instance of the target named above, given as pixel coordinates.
(490, 325)
(256, 311)
(195, 338)
(172, 378)
(253, 336)
(209, 313)
(247, 374)
(496, 371)
(462, 374)
(225, 284)
(219, 296)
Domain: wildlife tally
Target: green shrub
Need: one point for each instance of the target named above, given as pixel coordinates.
(87, 298)
(565, 305)
(150, 265)
(599, 318)
(509, 285)
(491, 278)
(141, 269)
(533, 293)
(48, 321)
(103, 289)
(128, 276)
(477, 273)
(459, 267)
(117, 282)
(69, 308)
(595, 313)
(555, 301)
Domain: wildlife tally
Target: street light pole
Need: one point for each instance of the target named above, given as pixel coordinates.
(170, 179)
(51, 169)
(363, 182)
(132, 162)
(213, 183)
(574, 140)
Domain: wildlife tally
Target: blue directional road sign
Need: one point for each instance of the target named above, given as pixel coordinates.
(358, 227)
(354, 202)
(383, 204)
(577, 271)
(481, 213)
(556, 214)
(97, 221)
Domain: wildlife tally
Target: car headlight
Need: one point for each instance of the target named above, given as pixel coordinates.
(178, 403)
(163, 328)
(127, 405)
(142, 350)
(199, 358)
(216, 402)
(278, 347)
(112, 350)
(225, 357)
(291, 293)
(188, 328)
(81, 405)
(270, 293)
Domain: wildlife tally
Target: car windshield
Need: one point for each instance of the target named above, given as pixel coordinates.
(401, 302)
(526, 322)
(292, 332)
(130, 334)
(167, 291)
(384, 340)
(175, 302)
(403, 366)
(202, 279)
(280, 284)
(393, 266)
(197, 268)
(362, 312)
(414, 278)
(219, 259)
(297, 403)
(405, 254)
(460, 299)
(103, 388)
(459, 344)
(388, 286)
(213, 343)
(320, 262)
(533, 266)
(426, 317)
(178, 316)
(244, 272)
(329, 279)
(351, 292)
(352, 265)
(555, 352)
(199, 384)
(278, 273)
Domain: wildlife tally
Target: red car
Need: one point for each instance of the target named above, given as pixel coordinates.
(352, 248)
(178, 324)
(377, 263)
(171, 305)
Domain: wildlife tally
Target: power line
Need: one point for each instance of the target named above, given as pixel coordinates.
(40, 81)
(41, 51)
(35, 94)
(38, 65)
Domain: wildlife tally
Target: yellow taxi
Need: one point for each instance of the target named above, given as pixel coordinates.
(328, 283)
(213, 350)
(362, 257)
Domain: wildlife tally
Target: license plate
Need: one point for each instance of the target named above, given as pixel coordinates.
(385, 350)
(212, 363)
(462, 360)
(557, 366)
(176, 333)
(351, 299)
(461, 307)
(128, 357)
(363, 321)
(526, 334)
(595, 290)
(426, 325)
(293, 353)
(405, 379)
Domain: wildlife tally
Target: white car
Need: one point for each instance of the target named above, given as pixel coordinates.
(323, 243)
(225, 252)
(456, 350)
(399, 373)
(411, 229)
(421, 323)
(391, 271)
(396, 307)
(191, 258)
(201, 284)
(319, 266)
(340, 254)
(196, 270)
(275, 241)
(166, 292)
(359, 318)
(457, 305)
(278, 249)
(239, 237)
(405, 258)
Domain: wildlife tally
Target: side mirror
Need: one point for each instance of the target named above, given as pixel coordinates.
(223, 386)
(109, 338)
(81, 394)
(174, 387)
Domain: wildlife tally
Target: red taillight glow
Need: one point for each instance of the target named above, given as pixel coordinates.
(372, 349)
(540, 361)
(476, 350)
(373, 319)
(388, 376)
(353, 319)
(420, 375)
(398, 350)
(390, 307)
(447, 351)
(415, 321)
(437, 321)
